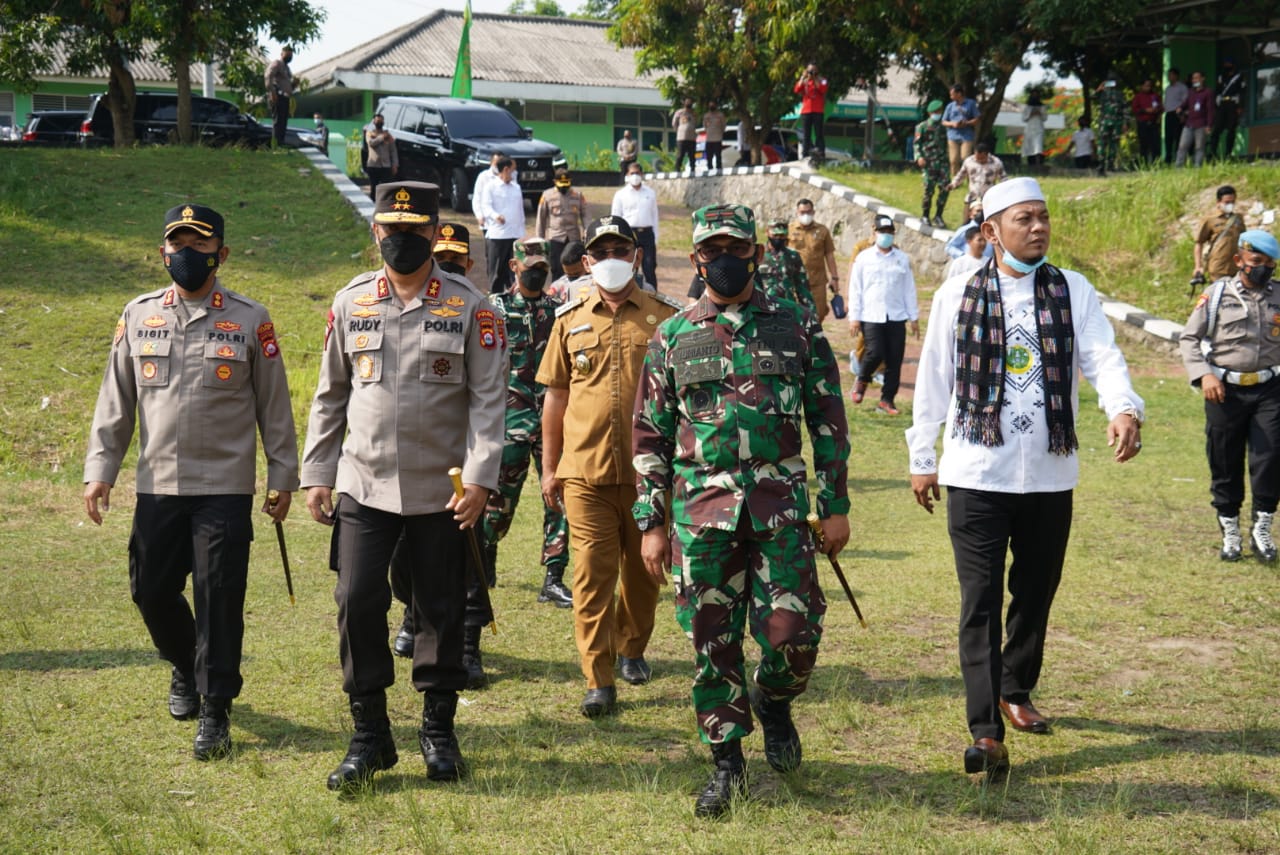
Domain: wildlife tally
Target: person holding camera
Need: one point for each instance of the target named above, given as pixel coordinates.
(812, 89)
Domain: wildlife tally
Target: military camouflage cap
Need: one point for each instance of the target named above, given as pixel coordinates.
(734, 220)
(531, 251)
(778, 227)
(453, 237)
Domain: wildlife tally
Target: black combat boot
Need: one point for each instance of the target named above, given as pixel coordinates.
(372, 748)
(728, 780)
(403, 645)
(471, 660)
(553, 589)
(439, 745)
(213, 734)
(781, 741)
(184, 700)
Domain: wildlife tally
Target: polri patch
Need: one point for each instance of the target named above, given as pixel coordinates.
(223, 372)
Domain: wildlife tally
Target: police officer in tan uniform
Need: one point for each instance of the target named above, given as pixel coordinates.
(412, 383)
(562, 216)
(1231, 350)
(199, 368)
(591, 369)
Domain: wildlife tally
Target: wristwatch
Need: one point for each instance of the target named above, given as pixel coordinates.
(648, 523)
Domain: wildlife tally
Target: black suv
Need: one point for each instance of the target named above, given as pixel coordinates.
(449, 141)
(53, 128)
(155, 120)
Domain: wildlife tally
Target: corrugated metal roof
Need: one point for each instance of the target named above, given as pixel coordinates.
(504, 48)
(145, 70)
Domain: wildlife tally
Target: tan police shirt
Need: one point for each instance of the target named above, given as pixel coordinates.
(562, 216)
(199, 380)
(1218, 257)
(1246, 336)
(813, 242)
(598, 355)
(408, 391)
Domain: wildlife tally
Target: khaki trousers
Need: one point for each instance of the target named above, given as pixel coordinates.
(957, 151)
(606, 550)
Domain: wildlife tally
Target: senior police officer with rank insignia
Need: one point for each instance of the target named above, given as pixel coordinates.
(591, 368)
(198, 366)
(727, 384)
(412, 383)
(1231, 350)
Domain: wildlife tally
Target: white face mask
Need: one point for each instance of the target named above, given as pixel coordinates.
(805, 219)
(634, 179)
(612, 274)
(1228, 207)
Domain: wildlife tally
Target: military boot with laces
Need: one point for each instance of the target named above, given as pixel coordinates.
(436, 738)
(1231, 542)
(554, 590)
(728, 781)
(1264, 547)
(213, 733)
(471, 659)
(372, 748)
(781, 741)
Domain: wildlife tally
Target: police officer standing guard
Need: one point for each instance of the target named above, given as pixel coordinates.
(413, 377)
(200, 366)
(726, 385)
(1231, 350)
(562, 218)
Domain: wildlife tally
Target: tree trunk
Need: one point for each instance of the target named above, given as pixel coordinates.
(122, 97)
(182, 70)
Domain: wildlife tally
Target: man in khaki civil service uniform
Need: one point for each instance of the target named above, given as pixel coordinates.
(412, 383)
(562, 218)
(813, 241)
(199, 368)
(591, 369)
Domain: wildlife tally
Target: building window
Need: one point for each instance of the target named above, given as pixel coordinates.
(6, 110)
(46, 101)
(1266, 87)
(650, 127)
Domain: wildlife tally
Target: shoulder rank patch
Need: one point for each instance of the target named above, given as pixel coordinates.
(169, 297)
(216, 302)
(569, 306)
(384, 290)
(433, 289)
(487, 323)
(227, 326)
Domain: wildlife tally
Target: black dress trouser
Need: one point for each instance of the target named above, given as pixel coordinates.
(435, 552)
(984, 527)
(206, 537)
(1249, 416)
(885, 343)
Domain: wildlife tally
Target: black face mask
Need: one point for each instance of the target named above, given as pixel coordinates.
(563, 188)
(728, 275)
(189, 268)
(778, 243)
(452, 267)
(977, 218)
(1259, 276)
(533, 279)
(405, 252)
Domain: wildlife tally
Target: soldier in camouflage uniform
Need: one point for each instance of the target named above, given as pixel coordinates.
(530, 315)
(931, 157)
(782, 274)
(1112, 111)
(725, 387)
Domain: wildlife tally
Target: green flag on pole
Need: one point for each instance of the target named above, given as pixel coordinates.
(462, 71)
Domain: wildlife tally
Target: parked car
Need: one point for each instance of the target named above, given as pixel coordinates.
(155, 120)
(53, 128)
(780, 146)
(449, 141)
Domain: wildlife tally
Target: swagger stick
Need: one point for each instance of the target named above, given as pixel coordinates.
(273, 496)
(477, 557)
(816, 525)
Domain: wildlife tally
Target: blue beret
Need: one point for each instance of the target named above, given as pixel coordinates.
(1260, 241)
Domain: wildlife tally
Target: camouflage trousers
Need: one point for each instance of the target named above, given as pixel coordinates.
(726, 581)
(523, 442)
(1109, 145)
(934, 181)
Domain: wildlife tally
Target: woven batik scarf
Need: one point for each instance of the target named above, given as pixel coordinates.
(980, 353)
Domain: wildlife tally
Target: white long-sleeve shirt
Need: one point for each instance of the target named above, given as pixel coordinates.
(504, 199)
(1023, 463)
(882, 287)
(638, 206)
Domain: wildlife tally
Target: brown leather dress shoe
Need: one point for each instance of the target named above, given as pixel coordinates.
(986, 755)
(1024, 717)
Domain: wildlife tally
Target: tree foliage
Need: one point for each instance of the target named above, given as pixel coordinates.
(545, 8)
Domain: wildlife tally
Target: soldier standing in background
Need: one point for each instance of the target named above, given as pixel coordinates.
(1112, 112)
(562, 218)
(931, 157)
(280, 84)
(726, 385)
(200, 367)
(782, 274)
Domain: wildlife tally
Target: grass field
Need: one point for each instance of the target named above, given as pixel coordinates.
(1160, 672)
